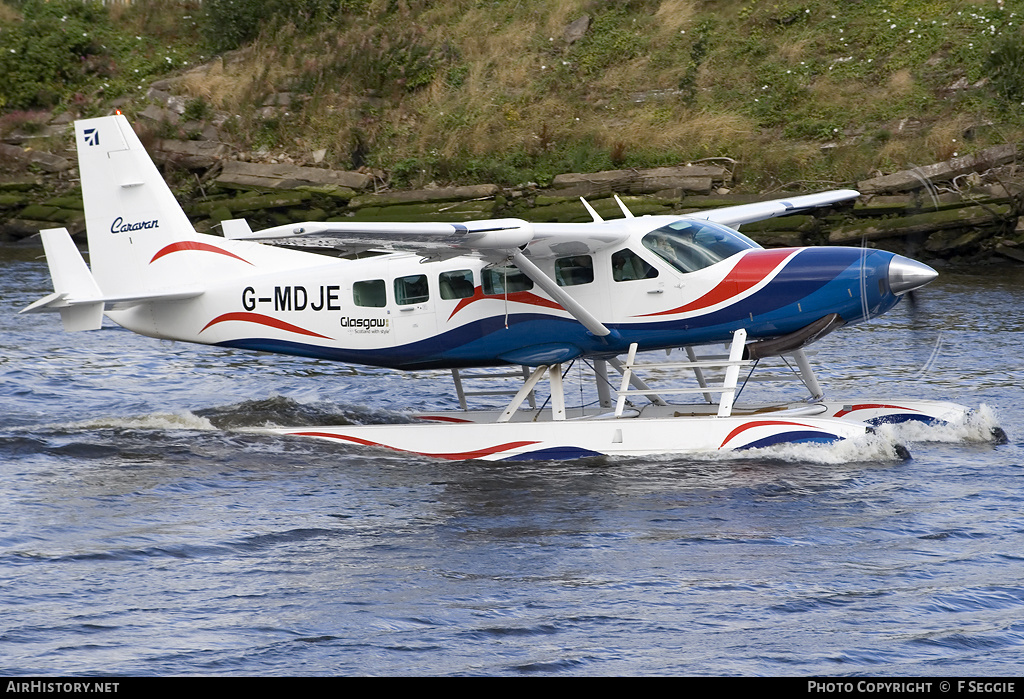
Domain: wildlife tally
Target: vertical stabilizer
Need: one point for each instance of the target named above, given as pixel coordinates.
(131, 214)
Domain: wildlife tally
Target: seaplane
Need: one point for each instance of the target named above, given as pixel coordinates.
(472, 295)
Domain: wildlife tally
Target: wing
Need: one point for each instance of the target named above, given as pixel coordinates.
(502, 237)
(735, 216)
(492, 239)
(424, 238)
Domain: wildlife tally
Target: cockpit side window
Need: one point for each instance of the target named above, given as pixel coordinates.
(627, 266)
(692, 245)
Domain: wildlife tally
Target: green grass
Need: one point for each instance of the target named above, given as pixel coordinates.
(803, 93)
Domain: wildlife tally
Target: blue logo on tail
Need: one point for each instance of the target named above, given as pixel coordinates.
(92, 137)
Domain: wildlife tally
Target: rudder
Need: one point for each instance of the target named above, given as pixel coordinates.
(131, 214)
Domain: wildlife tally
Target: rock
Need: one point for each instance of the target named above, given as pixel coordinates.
(278, 99)
(194, 155)
(576, 30)
(1011, 251)
(947, 243)
(159, 115)
(45, 161)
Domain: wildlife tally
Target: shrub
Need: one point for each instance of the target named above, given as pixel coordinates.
(43, 56)
(1005, 65)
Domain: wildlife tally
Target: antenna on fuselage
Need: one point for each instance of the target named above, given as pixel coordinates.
(625, 212)
(596, 216)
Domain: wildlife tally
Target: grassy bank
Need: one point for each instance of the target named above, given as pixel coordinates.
(809, 93)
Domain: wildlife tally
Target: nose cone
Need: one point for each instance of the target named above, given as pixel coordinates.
(906, 274)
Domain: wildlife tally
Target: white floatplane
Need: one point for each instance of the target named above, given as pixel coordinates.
(506, 292)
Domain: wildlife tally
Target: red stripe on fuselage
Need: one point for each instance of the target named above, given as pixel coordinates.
(527, 297)
(261, 319)
(193, 245)
(750, 271)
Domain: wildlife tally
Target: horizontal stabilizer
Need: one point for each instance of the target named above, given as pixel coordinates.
(75, 291)
(237, 229)
(75, 315)
(69, 306)
(76, 295)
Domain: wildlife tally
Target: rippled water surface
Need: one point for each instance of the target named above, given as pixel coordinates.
(143, 532)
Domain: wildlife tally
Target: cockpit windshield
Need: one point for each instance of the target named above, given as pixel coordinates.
(689, 245)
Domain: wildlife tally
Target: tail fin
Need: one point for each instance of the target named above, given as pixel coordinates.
(131, 214)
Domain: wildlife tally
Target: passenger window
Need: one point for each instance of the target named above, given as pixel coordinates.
(627, 266)
(410, 290)
(456, 285)
(372, 294)
(573, 271)
(504, 280)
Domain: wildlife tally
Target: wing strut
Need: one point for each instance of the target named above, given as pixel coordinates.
(596, 327)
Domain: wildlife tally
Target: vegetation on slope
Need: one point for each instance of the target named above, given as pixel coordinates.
(810, 92)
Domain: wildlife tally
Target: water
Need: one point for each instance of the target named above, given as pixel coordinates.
(142, 533)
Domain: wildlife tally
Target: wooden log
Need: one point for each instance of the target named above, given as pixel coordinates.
(436, 211)
(258, 202)
(963, 217)
(238, 174)
(940, 172)
(424, 196)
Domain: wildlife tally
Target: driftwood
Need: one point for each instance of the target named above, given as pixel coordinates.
(940, 172)
(241, 175)
(693, 179)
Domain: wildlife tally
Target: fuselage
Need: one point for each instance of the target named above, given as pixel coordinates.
(657, 286)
